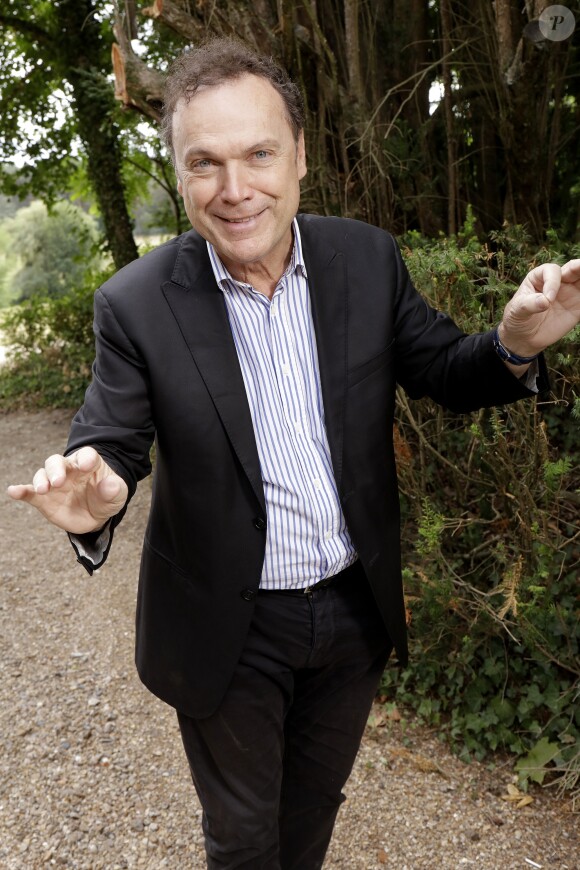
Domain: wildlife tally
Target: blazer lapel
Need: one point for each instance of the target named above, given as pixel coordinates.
(198, 306)
(326, 268)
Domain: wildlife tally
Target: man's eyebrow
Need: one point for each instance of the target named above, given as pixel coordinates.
(195, 152)
(263, 145)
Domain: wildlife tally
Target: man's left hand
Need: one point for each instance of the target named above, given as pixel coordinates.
(544, 309)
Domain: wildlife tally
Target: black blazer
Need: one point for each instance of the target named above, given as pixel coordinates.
(166, 367)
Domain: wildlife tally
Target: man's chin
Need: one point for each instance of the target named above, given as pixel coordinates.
(242, 251)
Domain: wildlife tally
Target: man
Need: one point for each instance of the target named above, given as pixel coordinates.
(262, 351)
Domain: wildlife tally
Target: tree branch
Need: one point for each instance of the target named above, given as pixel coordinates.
(136, 85)
(177, 19)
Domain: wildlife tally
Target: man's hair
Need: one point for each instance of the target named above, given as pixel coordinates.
(217, 61)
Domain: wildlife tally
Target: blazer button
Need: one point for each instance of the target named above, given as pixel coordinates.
(259, 523)
(248, 594)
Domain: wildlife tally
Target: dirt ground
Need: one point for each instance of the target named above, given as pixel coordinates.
(92, 773)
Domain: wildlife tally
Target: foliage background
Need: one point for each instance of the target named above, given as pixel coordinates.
(491, 533)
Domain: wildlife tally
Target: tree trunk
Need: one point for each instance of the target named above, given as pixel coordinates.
(82, 50)
(404, 68)
(449, 125)
(514, 83)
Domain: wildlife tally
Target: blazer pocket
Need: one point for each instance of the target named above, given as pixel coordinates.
(364, 370)
(147, 545)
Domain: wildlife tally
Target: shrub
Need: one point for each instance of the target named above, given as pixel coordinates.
(51, 345)
(491, 534)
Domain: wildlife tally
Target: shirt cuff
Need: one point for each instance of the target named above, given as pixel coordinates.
(530, 378)
(92, 548)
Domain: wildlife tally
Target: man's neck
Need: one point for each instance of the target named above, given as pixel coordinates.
(263, 275)
(262, 278)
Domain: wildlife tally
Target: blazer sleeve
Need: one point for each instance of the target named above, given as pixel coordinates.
(115, 419)
(435, 358)
(116, 415)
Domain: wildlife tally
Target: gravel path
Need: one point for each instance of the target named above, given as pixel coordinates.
(92, 773)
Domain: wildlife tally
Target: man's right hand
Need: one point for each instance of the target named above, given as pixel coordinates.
(77, 493)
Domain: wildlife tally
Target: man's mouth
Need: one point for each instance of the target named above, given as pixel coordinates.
(241, 220)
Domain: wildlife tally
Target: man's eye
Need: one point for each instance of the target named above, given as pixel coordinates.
(261, 155)
(204, 163)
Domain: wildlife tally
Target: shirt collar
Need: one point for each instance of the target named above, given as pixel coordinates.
(224, 279)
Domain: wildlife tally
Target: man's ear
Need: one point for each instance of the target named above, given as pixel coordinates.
(301, 155)
(179, 185)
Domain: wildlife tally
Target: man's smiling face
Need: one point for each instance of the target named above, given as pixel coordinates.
(239, 168)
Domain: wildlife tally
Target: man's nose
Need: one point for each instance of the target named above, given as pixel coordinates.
(235, 183)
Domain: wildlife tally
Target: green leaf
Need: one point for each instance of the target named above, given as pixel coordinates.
(533, 765)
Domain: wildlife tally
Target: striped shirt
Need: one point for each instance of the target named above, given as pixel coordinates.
(307, 538)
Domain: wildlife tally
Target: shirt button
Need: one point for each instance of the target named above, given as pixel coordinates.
(259, 523)
(248, 594)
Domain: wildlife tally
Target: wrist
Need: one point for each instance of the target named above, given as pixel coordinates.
(510, 351)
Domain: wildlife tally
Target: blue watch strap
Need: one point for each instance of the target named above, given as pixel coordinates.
(506, 355)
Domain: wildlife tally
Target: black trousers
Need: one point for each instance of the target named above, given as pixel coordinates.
(269, 765)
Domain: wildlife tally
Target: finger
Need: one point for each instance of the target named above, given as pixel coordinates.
(546, 279)
(86, 460)
(55, 468)
(536, 304)
(528, 305)
(21, 491)
(571, 271)
(41, 481)
(113, 489)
